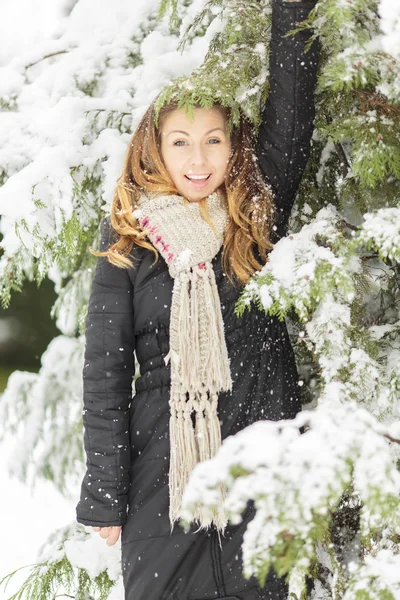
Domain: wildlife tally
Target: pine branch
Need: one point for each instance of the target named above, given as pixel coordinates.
(391, 439)
(36, 62)
(369, 100)
(49, 576)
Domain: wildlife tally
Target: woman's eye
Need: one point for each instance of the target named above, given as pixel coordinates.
(183, 141)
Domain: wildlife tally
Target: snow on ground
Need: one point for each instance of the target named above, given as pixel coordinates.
(28, 519)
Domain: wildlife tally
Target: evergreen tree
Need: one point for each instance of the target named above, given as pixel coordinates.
(68, 110)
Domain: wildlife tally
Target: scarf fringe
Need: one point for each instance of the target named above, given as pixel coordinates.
(214, 359)
(200, 365)
(190, 445)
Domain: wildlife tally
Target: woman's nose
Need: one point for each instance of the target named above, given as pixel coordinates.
(198, 156)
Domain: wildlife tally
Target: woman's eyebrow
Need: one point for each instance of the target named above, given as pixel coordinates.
(186, 133)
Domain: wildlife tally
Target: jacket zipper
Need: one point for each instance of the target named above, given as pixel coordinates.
(216, 562)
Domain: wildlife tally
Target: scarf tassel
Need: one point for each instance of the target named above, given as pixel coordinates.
(184, 451)
(190, 445)
(199, 368)
(213, 352)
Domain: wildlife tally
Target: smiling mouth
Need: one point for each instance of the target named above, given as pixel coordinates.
(200, 179)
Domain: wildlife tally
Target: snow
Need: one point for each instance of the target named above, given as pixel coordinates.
(25, 22)
(381, 230)
(90, 552)
(297, 260)
(319, 281)
(389, 12)
(43, 140)
(380, 575)
(69, 77)
(293, 485)
(41, 411)
(36, 513)
(182, 260)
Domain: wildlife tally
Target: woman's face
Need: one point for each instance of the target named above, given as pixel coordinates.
(201, 147)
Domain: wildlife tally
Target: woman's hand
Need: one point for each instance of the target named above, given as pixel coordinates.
(112, 533)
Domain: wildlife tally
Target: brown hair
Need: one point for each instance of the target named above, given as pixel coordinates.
(249, 198)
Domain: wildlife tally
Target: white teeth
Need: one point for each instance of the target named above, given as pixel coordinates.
(197, 176)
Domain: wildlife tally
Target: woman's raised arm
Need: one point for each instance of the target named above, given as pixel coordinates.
(107, 393)
(287, 119)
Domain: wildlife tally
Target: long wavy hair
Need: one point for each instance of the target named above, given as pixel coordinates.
(249, 198)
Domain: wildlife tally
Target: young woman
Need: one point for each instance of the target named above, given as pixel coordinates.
(212, 203)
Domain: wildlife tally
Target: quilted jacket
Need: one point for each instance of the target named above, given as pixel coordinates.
(126, 434)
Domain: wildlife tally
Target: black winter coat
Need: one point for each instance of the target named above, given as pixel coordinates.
(126, 439)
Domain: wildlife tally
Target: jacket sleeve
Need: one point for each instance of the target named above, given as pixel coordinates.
(108, 372)
(287, 118)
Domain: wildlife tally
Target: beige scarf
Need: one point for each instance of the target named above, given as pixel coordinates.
(198, 353)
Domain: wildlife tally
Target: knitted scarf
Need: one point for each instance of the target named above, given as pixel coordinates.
(198, 353)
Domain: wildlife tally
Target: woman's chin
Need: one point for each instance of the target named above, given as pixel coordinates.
(198, 195)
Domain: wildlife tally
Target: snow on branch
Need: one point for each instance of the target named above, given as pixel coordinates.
(296, 482)
(380, 231)
(73, 563)
(43, 414)
(318, 275)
